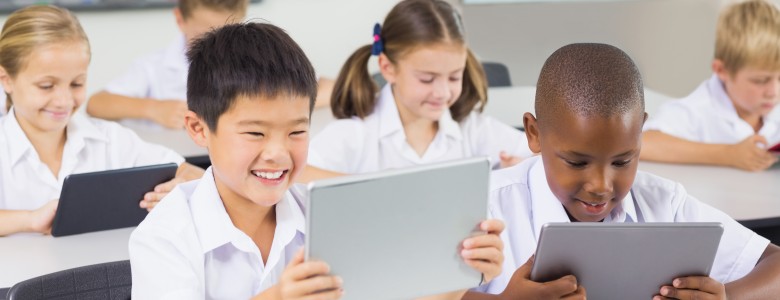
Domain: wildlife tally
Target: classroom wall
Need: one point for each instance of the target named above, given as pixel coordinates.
(327, 30)
(672, 41)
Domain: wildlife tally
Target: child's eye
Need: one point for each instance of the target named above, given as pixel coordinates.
(621, 163)
(576, 164)
(300, 132)
(454, 79)
(76, 85)
(46, 86)
(258, 134)
(426, 81)
(761, 80)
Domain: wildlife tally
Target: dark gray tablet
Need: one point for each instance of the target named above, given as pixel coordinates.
(107, 199)
(625, 260)
(397, 234)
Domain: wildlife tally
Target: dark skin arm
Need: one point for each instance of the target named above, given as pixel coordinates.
(521, 287)
(760, 283)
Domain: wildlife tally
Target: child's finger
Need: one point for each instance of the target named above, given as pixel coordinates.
(484, 241)
(702, 283)
(319, 283)
(492, 255)
(308, 269)
(167, 186)
(492, 226)
(579, 294)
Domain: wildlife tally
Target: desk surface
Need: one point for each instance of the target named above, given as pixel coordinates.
(743, 195)
(24, 256)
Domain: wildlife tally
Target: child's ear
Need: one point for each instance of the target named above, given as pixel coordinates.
(719, 68)
(387, 68)
(196, 128)
(532, 132)
(5, 79)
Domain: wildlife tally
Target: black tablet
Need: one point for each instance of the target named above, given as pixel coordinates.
(107, 199)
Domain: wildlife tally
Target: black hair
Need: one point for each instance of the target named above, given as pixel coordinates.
(246, 59)
(588, 80)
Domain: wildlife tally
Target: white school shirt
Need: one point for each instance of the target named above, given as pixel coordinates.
(521, 197)
(92, 145)
(161, 75)
(188, 247)
(708, 116)
(378, 142)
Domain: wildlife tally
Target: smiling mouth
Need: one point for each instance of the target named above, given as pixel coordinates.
(269, 175)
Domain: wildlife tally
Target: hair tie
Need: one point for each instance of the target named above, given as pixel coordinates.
(378, 45)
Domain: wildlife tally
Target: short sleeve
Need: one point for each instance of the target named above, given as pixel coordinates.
(338, 146)
(739, 248)
(160, 268)
(136, 82)
(677, 119)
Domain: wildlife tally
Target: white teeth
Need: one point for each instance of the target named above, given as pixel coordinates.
(268, 175)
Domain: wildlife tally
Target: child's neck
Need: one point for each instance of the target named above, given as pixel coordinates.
(419, 132)
(257, 221)
(755, 121)
(48, 145)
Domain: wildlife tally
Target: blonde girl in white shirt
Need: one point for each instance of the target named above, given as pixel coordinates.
(428, 111)
(44, 56)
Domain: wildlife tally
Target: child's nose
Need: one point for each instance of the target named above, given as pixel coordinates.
(274, 151)
(63, 97)
(600, 183)
(441, 89)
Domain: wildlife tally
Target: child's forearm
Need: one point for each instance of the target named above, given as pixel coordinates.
(761, 283)
(109, 106)
(471, 295)
(661, 147)
(14, 221)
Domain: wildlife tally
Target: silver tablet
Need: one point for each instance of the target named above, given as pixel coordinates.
(625, 260)
(397, 234)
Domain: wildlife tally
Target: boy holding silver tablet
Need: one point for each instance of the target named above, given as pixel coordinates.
(588, 128)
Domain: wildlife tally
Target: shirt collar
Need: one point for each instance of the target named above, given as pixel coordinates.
(79, 129)
(390, 120)
(215, 228)
(547, 208)
(176, 54)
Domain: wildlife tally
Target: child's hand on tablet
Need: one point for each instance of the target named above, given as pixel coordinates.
(747, 155)
(151, 199)
(485, 253)
(305, 280)
(521, 287)
(41, 218)
(693, 287)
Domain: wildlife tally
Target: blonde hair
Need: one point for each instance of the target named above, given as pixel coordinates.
(233, 6)
(30, 28)
(410, 24)
(748, 34)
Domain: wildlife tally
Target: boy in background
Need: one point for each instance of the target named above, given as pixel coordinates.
(153, 92)
(730, 119)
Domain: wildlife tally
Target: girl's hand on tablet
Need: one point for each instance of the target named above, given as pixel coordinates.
(41, 218)
(485, 253)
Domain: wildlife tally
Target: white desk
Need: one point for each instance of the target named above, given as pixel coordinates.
(24, 256)
(745, 196)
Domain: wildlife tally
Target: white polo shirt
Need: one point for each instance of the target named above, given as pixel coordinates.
(378, 142)
(521, 197)
(161, 75)
(188, 248)
(92, 145)
(708, 116)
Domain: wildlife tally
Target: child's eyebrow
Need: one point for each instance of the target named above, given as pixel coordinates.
(583, 155)
(304, 120)
(434, 73)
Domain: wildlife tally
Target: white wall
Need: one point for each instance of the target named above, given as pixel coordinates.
(327, 30)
